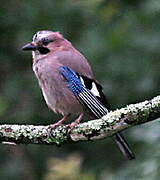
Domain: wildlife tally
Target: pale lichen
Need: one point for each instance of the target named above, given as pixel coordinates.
(108, 125)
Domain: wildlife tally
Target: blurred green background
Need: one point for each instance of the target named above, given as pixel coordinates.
(121, 40)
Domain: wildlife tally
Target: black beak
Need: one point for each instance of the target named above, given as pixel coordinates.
(29, 47)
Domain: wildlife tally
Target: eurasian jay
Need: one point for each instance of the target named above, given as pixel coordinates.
(67, 82)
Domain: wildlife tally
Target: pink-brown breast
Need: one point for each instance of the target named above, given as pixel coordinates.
(54, 88)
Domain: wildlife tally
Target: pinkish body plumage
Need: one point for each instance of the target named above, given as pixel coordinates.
(55, 91)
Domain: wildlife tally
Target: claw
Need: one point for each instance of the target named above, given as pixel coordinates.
(77, 121)
(52, 126)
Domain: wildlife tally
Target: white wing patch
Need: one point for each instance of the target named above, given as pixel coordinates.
(94, 89)
(82, 81)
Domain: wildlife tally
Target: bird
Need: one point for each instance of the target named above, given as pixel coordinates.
(68, 83)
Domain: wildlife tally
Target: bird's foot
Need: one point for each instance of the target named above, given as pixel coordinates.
(76, 122)
(72, 125)
(53, 126)
(60, 122)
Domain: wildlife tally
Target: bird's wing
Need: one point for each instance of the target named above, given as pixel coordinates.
(87, 92)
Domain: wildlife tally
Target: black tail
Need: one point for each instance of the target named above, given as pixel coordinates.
(123, 146)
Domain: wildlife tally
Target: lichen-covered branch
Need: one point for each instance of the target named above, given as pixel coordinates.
(113, 122)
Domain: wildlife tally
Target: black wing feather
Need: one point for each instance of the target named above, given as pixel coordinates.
(102, 98)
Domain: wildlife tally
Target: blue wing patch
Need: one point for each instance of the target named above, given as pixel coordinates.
(74, 83)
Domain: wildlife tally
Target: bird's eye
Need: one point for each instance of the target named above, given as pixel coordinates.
(46, 41)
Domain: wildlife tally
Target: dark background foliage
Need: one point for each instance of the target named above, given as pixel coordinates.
(121, 40)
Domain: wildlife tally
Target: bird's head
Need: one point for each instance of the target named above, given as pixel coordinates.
(44, 42)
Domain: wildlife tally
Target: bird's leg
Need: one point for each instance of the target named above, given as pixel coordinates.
(77, 121)
(60, 121)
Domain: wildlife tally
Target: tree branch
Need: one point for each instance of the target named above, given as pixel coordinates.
(110, 124)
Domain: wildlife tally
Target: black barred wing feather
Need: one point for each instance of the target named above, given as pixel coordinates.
(92, 104)
(96, 89)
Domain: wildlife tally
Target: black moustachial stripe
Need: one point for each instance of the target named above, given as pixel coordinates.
(43, 50)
